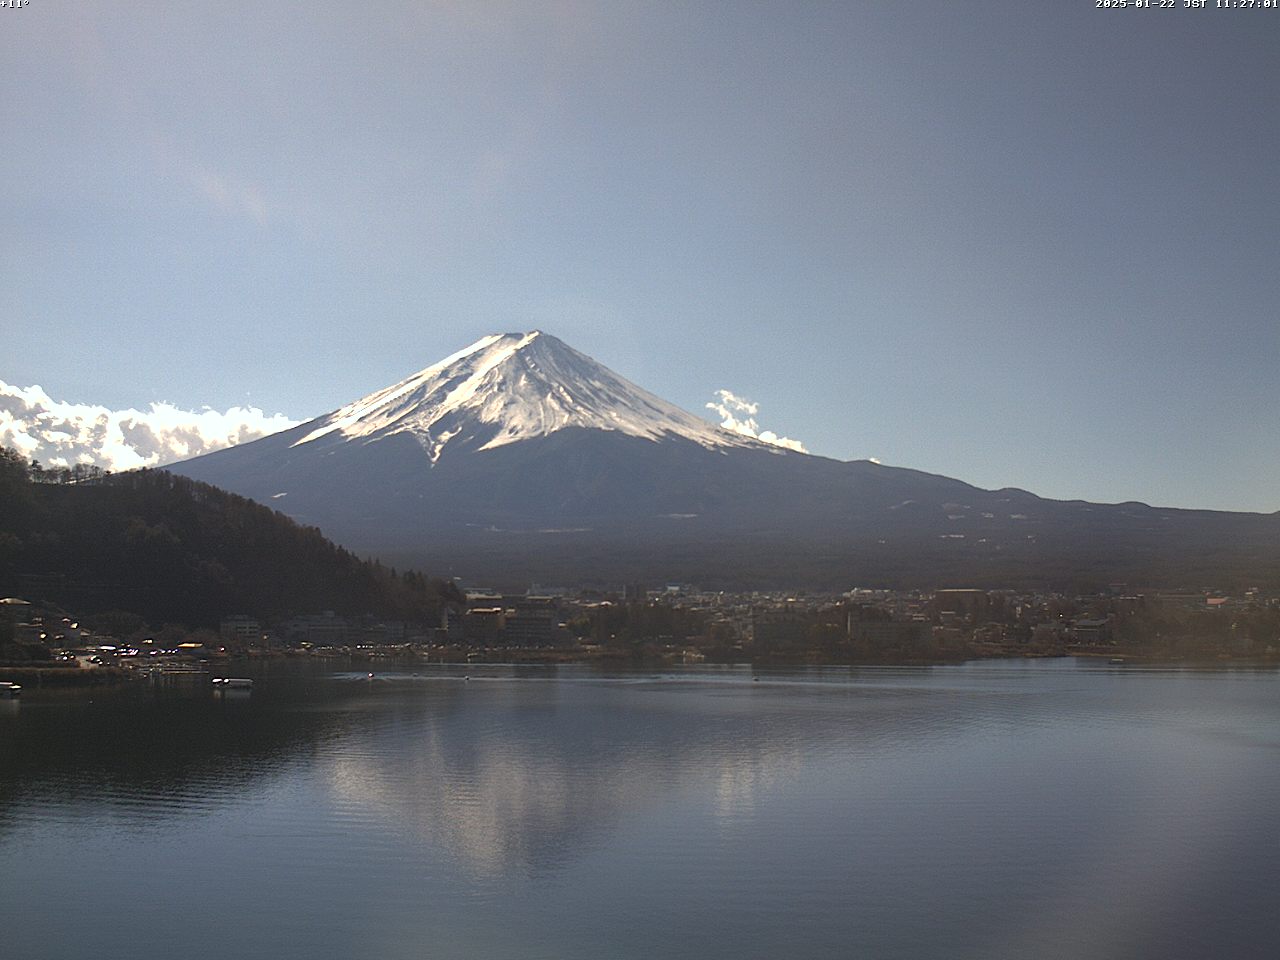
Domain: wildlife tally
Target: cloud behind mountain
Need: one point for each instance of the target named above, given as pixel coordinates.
(739, 415)
(62, 434)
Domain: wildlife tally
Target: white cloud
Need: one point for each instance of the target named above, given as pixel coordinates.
(739, 415)
(61, 434)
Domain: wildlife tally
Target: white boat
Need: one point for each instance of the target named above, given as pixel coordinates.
(8, 689)
(232, 683)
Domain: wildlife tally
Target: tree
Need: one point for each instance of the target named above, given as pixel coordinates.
(15, 492)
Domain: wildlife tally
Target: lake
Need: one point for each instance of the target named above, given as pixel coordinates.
(1015, 809)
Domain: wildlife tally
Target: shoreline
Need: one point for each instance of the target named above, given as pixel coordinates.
(37, 677)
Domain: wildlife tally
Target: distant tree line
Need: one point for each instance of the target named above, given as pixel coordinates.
(78, 473)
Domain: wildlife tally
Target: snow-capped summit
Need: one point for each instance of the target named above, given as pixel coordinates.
(515, 386)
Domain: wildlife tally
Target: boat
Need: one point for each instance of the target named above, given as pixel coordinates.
(233, 683)
(8, 690)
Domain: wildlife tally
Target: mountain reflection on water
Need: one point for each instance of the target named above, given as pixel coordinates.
(1006, 810)
(554, 775)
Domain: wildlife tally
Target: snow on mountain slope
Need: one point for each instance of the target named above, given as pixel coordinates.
(514, 386)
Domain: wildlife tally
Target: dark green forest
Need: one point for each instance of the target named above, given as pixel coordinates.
(174, 550)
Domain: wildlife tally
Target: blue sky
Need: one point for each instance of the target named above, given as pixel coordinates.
(1020, 244)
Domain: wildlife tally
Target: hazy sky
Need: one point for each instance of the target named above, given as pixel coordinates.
(1022, 244)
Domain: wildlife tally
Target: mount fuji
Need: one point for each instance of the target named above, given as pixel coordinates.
(521, 458)
(507, 388)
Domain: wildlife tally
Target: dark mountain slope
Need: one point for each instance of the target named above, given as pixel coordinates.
(172, 549)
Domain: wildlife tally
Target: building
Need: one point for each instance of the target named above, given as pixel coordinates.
(891, 634)
(533, 623)
(241, 631)
(321, 630)
(783, 625)
(1091, 632)
(483, 624)
(968, 604)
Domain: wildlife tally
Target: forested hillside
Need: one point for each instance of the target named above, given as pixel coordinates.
(175, 550)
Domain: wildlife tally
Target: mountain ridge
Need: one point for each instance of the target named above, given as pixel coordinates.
(522, 457)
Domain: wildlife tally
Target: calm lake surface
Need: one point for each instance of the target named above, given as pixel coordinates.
(1017, 809)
